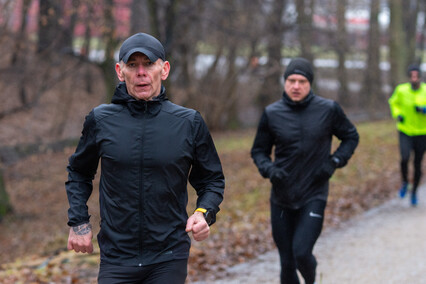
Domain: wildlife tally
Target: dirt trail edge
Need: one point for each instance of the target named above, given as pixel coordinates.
(386, 244)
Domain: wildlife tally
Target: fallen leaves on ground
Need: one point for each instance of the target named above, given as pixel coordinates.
(33, 239)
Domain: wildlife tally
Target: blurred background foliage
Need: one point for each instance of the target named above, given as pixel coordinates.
(227, 57)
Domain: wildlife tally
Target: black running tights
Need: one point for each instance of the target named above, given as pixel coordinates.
(417, 144)
(295, 233)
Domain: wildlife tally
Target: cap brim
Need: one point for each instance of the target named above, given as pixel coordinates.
(148, 53)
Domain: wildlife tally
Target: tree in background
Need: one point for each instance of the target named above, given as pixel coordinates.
(400, 40)
(410, 19)
(226, 36)
(41, 61)
(341, 50)
(421, 46)
(305, 10)
(49, 35)
(111, 42)
(5, 206)
(372, 88)
(193, 31)
(138, 17)
(274, 38)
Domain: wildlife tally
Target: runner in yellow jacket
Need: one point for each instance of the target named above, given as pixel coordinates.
(408, 108)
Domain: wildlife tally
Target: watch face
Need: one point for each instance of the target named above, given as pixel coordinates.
(208, 216)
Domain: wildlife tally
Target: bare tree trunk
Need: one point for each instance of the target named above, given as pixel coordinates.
(48, 26)
(108, 65)
(220, 107)
(5, 206)
(185, 53)
(19, 52)
(410, 13)
(137, 18)
(421, 54)
(20, 39)
(223, 97)
(169, 37)
(341, 49)
(304, 21)
(398, 48)
(372, 81)
(164, 28)
(154, 18)
(205, 83)
(85, 52)
(271, 87)
(5, 14)
(68, 30)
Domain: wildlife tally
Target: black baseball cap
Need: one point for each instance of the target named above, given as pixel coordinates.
(144, 43)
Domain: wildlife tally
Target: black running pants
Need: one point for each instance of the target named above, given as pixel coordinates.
(295, 233)
(408, 144)
(174, 271)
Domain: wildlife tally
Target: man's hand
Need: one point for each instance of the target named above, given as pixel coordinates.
(278, 177)
(198, 226)
(421, 109)
(325, 171)
(80, 238)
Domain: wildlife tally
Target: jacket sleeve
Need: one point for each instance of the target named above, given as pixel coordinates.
(346, 132)
(206, 173)
(262, 147)
(81, 172)
(394, 103)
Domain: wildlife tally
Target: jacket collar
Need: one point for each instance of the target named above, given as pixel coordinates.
(298, 105)
(138, 107)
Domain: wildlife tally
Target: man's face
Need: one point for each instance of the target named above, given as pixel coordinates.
(297, 87)
(414, 78)
(143, 77)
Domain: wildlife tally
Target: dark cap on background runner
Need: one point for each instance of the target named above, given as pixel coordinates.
(300, 66)
(413, 67)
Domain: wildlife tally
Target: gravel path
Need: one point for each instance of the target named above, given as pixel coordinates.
(384, 245)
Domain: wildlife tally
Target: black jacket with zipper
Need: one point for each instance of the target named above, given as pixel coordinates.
(148, 152)
(302, 136)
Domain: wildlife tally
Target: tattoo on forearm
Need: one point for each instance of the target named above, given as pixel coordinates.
(82, 229)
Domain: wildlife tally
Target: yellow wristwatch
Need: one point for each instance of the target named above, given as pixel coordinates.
(202, 210)
(208, 215)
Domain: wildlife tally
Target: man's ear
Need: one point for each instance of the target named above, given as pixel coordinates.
(166, 70)
(119, 73)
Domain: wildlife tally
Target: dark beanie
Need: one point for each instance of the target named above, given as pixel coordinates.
(413, 67)
(300, 66)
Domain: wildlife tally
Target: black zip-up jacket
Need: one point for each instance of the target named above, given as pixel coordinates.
(302, 136)
(148, 151)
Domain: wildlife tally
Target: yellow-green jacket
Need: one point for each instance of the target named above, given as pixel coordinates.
(403, 103)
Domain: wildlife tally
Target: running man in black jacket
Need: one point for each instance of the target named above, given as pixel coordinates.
(149, 148)
(300, 126)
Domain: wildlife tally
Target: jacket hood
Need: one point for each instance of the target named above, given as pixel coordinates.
(121, 96)
(301, 104)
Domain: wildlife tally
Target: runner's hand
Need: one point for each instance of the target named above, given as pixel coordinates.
(80, 238)
(198, 226)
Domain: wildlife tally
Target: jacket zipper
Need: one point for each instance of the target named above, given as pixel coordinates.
(141, 191)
